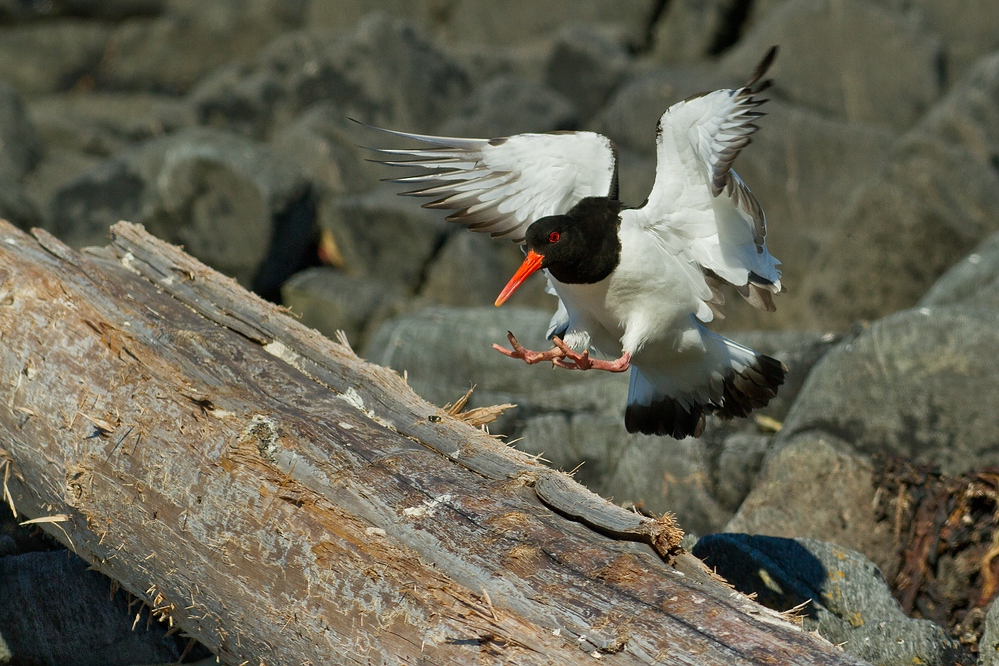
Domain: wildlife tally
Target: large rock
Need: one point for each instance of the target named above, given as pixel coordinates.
(55, 610)
(586, 67)
(846, 599)
(930, 206)
(973, 281)
(21, 146)
(17, 10)
(219, 195)
(51, 56)
(506, 106)
(827, 51)
(105, 123)
(815, 486)
(969, 114)
(384, 236)
(324, 143)
(915, 385)
(329, 300)
(383, 72)
(498, 23)
(171, 52)
(471, 269)
(692, 30)
(988, 645)
(912, 385)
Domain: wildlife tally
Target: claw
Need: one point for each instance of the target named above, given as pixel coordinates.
(528, 356)
(563, 356)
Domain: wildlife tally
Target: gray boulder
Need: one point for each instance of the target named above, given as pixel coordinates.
(324, 143)
(692, 30)
(383, 72)
(931, 204)
(383, 236)
(329, 300)
(16, 206)
(47, 57)
(106, 123)
(846, 599)
(510, 23)
(12, 11)
(55, 610)
(974, 281)
(968, 115)
(827, 51)
(471, 269)
(988, 644)
(21, 147)
(815, 486)
(586, 67)
(219, 195)
(506, 106)
(914, 385)
(174, 50)
(804, 167)
(911, 385)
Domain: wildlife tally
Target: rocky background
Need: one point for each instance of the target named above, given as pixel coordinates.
(222, 126)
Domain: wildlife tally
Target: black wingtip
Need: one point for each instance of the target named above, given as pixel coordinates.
(765, 63)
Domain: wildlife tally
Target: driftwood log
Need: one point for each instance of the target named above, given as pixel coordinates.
(284, 502)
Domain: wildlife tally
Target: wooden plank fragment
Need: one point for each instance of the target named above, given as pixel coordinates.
(287, 503)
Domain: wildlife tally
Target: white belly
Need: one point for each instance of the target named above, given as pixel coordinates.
(648, 298)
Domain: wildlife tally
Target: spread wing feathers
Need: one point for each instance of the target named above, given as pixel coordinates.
(701, 201)
(503, 185)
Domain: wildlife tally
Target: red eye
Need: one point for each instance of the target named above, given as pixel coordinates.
(553, 237)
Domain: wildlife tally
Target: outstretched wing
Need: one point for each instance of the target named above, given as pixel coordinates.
(503, 185)
(699, 205)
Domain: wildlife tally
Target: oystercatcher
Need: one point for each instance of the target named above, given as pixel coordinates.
(632, 283)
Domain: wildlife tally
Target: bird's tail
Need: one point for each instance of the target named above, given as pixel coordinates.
(720, 376)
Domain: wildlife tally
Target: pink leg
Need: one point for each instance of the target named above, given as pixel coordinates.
(528, 356)
(577, 361)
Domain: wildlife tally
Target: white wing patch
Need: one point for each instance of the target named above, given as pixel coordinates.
(502, 186)
(700, 204)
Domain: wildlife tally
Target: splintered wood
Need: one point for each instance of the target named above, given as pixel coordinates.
(273, 495)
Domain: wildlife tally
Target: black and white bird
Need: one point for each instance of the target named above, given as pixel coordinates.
(634, 284)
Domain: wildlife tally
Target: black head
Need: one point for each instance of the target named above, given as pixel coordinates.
(581, 247)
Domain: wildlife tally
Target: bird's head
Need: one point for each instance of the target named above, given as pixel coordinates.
(579, 248)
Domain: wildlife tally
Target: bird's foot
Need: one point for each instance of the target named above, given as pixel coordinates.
(530, 357)
(573, 360)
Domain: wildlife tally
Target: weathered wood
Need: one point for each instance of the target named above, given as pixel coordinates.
(287, 503)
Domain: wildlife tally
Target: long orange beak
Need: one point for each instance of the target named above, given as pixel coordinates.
(531, 263)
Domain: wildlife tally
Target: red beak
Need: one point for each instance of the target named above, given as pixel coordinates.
(531, 263)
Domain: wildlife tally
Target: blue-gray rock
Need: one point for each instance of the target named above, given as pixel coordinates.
(220, 195)
(383, 72)
(827, 51)
(844, 595)
(586, 67)
(506, 106)
(974, 281)
(55, 610)
(51, 56)
(383, 236)
(988, 644)
(329, 300)
(21, 146)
